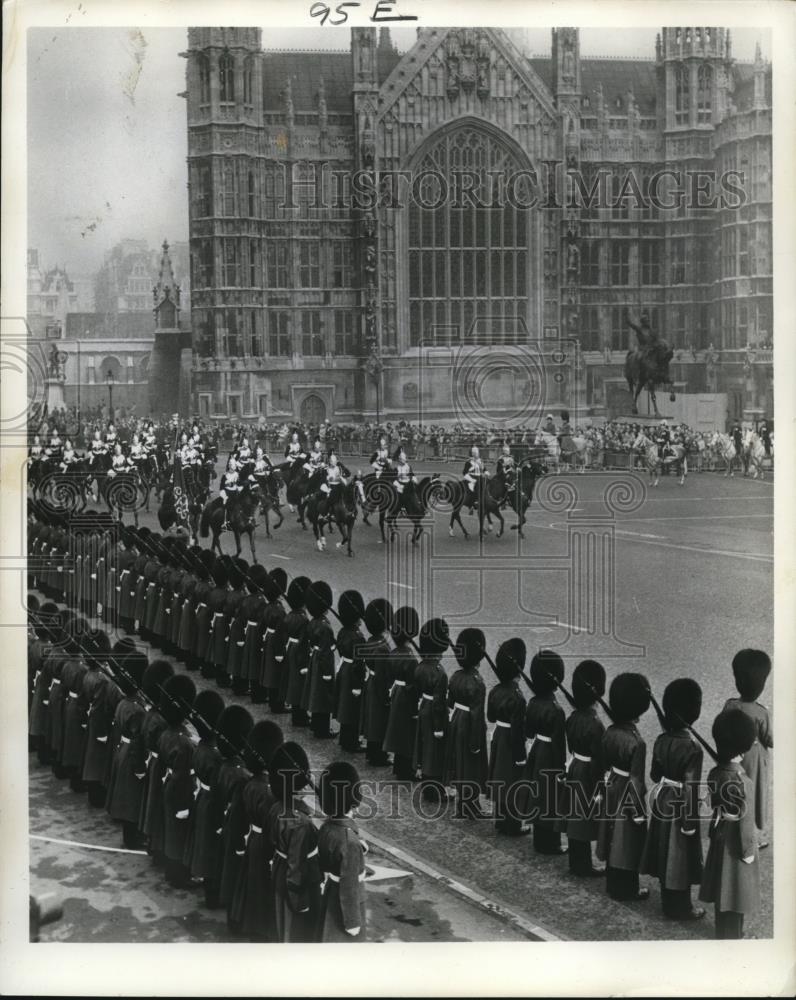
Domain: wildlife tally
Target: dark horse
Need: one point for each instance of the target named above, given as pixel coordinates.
(240, 516)
(339, 508)
(647, 365)
(493, 494)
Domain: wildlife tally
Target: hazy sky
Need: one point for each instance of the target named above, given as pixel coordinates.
(107, 132)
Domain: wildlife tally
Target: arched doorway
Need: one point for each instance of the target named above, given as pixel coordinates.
(313, 410)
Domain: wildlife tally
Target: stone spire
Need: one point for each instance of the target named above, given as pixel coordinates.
(166, 294)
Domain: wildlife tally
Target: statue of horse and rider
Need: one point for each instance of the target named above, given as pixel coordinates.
(647, 365)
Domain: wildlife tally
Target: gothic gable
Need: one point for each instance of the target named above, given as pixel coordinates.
(464, 71)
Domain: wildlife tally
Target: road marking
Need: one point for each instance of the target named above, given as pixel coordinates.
(275, 555)
(696, 517)
(88, 847)
(403, 586)
(378, 873)
(637, 534)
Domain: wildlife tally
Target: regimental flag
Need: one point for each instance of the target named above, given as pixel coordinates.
(181, 505)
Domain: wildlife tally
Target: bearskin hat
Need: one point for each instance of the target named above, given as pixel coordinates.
(96, 648)
(734, 732)
(261, 743)
(155, 676)
(296, 592)
(510, 659)
(220, 574)
(378, 616)
(288, 771)
(339, 789)
(405, 624)
(209, 705)
(588, 683)
(547, 671)
(351, 608)
(256, 580)
(46, 622)
(318, 598)
(238, 571)
(629, 697)
(346, 643)
(128, 664)
(177, 697)
(234, 725)
(32, 603)
(681, 703)
(470, 648)
(751, 668)
(434, 637)
(275, 584)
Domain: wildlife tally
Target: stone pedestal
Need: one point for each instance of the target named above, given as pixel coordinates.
(55, 395)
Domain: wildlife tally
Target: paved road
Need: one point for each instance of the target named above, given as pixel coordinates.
(673, 587)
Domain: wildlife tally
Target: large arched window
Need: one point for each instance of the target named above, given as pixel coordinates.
(226, 76)
(248, 74)
(468, 249)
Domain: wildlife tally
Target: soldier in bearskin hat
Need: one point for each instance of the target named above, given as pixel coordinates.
(545, 725)
(376, 697)
(751, 668)
(234, 727)
(466, 763)
(621, 835)
(198, 656)
(74, 742)
(431, 682)
(125, 789)
(399, 738)
(238, 575)
(126, 580)
(251, 910)
(351, 673)
(321, 665)
(99, 745)
(673, 850)
(199, 856)
(48, 631)
(176, 753)
(297, 651)
(153, 726)
(250, 615)
(267, 683)
(341, 856)
(585, 732)
(296, 871)
(506, 708)
(731, 880)
(217, 601)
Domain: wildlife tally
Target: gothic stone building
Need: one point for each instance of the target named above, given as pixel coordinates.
(312, 297)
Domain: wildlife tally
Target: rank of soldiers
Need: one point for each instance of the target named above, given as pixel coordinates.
(216, 797)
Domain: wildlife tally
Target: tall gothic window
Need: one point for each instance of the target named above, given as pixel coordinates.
(228, 190)
(204, 80)
(252, 204)
(682, 95)
(704, 93)
(226, 76)
(248, 73)
(468, 265)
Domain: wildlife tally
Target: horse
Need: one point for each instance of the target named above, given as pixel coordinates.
(378, 494)
(584, 451)
(68, 490)
(643, 371)
(342, 508)
(300, 485)
(753, 453)
(240, 517)
(724, 448)
(651, 458)
(97, 468)
(552, 448)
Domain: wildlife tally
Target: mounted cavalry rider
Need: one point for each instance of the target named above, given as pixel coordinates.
(69, 457)
(765, 437)
(663, 439)
(295, 450)
(98, 447)
(474, 471)
(196, 439)
(335, 480)
(262, 472)
(138, 454)
(315, 460)
(737, 437)
(53, 451)
(110, 437)
(507, 465)
(380, 459)
(36, 452)
(120, 463)
(230, 486)
(403, 471)
(150, 440)
(243, 453)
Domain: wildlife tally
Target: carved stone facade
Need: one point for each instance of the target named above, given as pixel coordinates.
(338, 249)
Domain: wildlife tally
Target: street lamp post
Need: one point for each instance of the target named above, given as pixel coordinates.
(109, 380)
